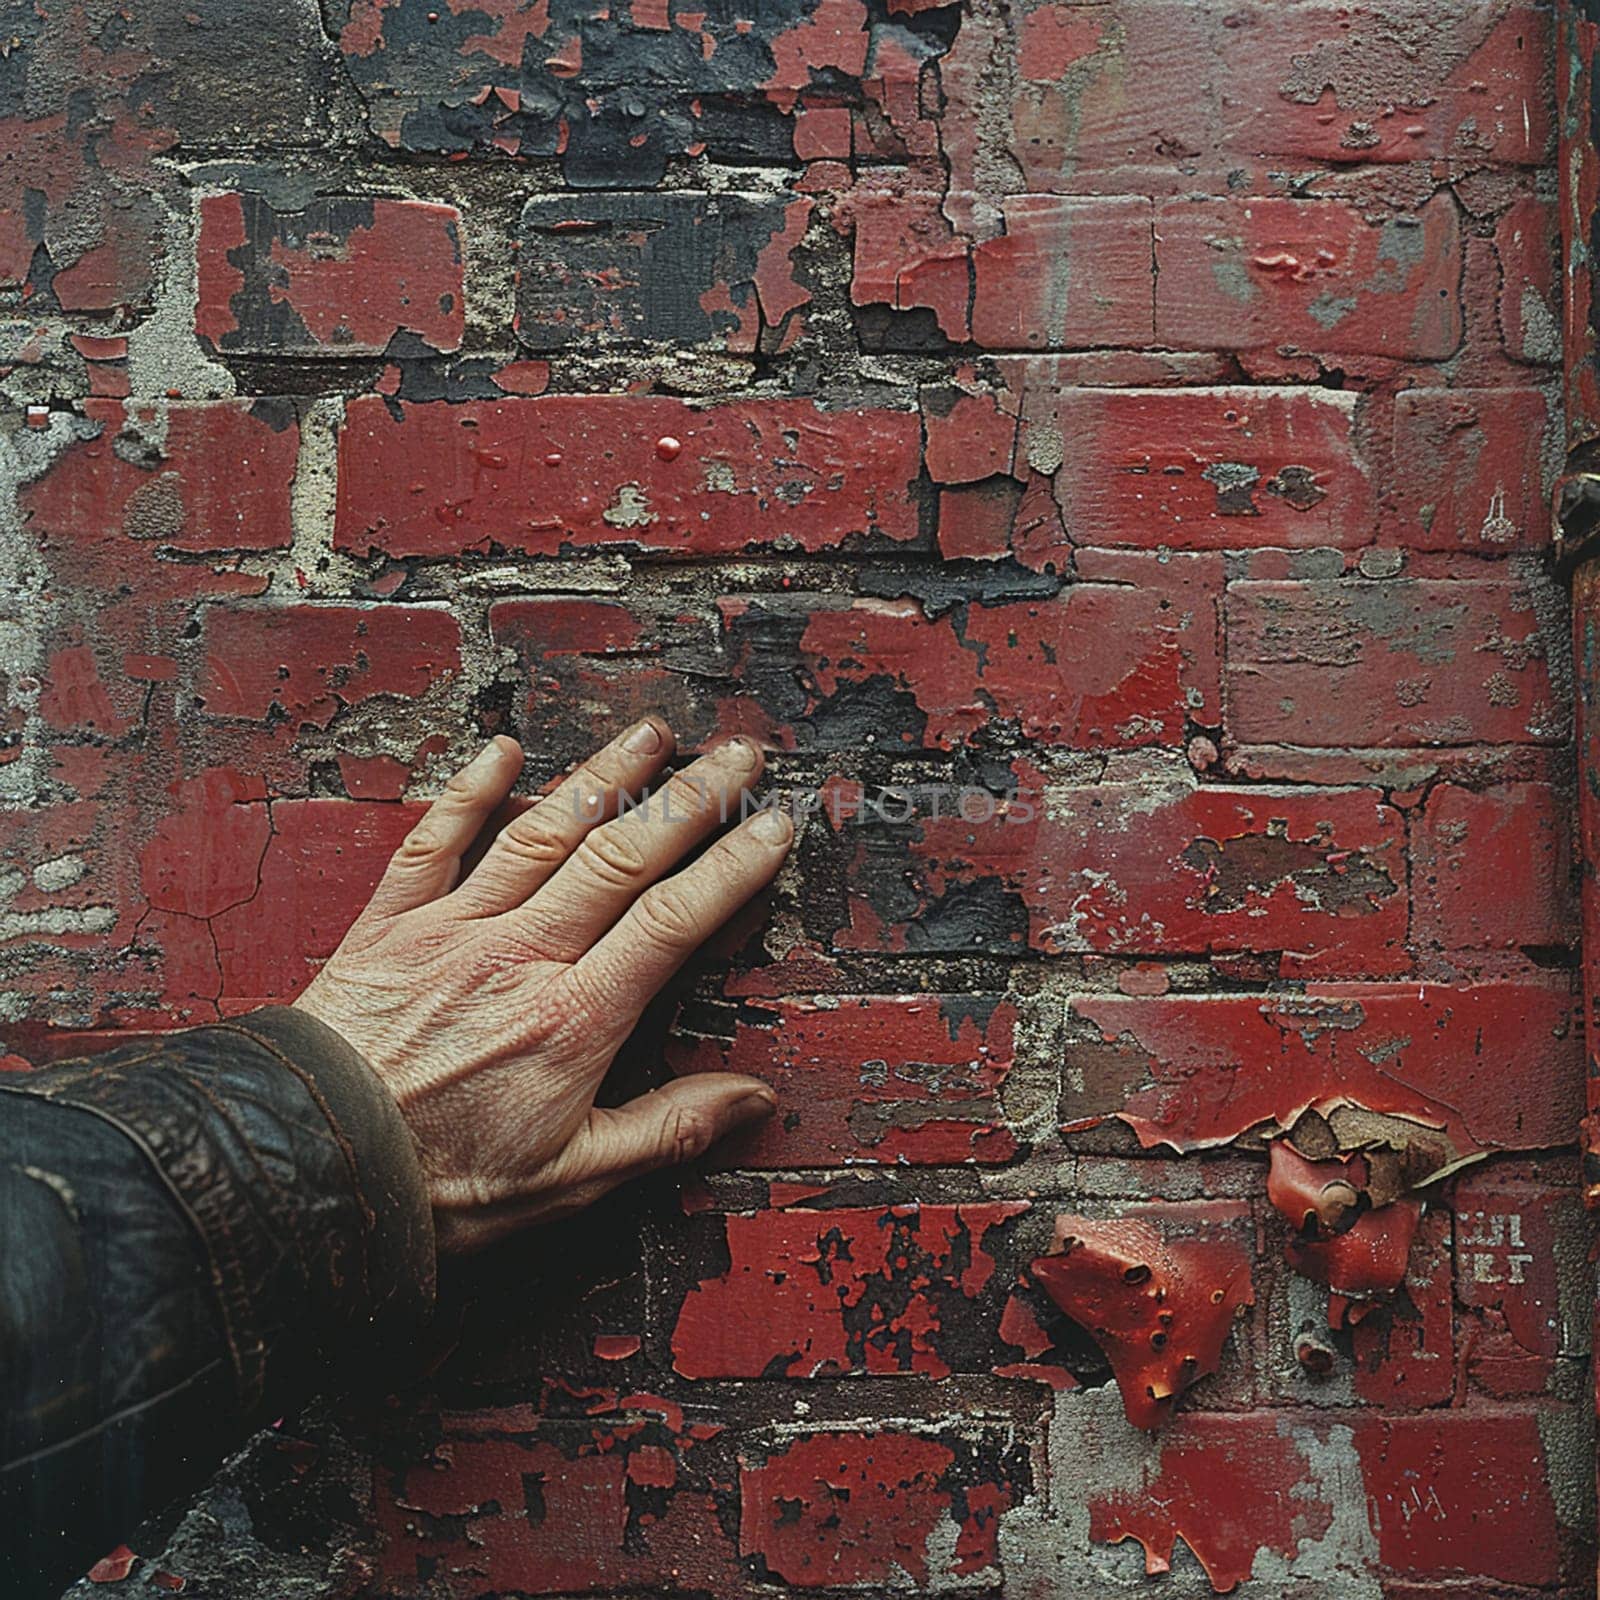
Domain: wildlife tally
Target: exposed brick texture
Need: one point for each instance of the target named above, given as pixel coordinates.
(1103, 451)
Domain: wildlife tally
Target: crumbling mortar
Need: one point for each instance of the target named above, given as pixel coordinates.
(163, 353)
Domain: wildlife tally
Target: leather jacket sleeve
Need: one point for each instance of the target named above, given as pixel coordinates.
(193, 1227)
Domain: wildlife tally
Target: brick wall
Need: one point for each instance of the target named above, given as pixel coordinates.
(1140, 409)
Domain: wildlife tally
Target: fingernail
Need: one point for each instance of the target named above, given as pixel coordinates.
(741, 752)
(773, 826)
(758, 1103)
(488, 756)
(642, 738)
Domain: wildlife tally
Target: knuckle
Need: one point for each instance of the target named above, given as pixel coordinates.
(598, 772)
(535, 839)
(612, 856)
(688, 1133)
(419, 847)
(461, 787)
(688, 796)
(729, 860)
(585, 791)
(666, 918)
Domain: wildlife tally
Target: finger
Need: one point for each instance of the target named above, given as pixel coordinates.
(530, 848)
(429, 858)
(672, 919)
(613, 864)
(670, 1125)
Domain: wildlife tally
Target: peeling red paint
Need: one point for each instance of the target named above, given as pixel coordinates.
(114, 1567)
(557, 1505)
(344, 276)
(1100, 666)
(1468, 1068)
(1227, 1489)
(308, 661)
(849, 1509)
(1133, 415)
(1131, 871)
(1159, 1303)
(1360, 1253)
(813, 1293)
(880, 1079)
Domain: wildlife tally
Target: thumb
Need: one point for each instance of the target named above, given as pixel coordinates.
(672, 1124)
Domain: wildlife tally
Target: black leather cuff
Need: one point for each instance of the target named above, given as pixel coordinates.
(295, 1167)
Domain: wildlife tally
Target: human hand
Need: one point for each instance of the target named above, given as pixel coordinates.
(491, 1002)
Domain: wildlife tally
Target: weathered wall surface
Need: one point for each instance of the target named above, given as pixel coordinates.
(1142, 409)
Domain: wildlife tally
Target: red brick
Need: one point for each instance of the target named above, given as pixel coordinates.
(1404, 1346)
(1001, 517)
(150, 472)
(907, 257)
(1492, 869)
(1402, 662)
(205, 856)
(1469, 469)
(1520, 1251)
(1317, 880)
(311, 661)
(320, 867)
(872, 1507)
(346, 276)
(1208, 469)
(968, 436)
(1389, 82)
(891, 1079)
(1067, 121)
(1497, 1520)
(568, 471)
(1491, 1065)
(1065, 274)
(1527, 242)
(818, 1293)
(1405, 82)
(1308, 275)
